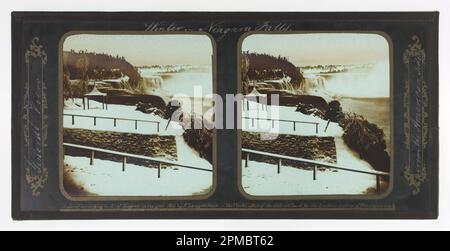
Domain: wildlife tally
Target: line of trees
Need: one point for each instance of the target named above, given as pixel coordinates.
(257, 67)
(85, 65)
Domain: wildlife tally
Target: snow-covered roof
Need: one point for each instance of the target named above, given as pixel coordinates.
(256, 93)
(95, 92)
(284, 80)
(119, 80)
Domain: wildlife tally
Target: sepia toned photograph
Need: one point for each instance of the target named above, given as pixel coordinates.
(224, 115)
(316, 114)
(133, 115)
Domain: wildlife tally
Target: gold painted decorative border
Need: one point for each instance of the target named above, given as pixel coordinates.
(36, 174)
(418, 175)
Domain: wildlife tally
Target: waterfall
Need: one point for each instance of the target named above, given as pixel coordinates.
(153, 82)
(311, 83)
(317, 85)
(150, 84)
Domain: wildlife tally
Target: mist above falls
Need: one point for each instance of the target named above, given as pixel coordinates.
(176, 83)
(370, 82)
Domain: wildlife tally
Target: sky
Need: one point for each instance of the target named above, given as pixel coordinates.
(321, 48)
(142, 50)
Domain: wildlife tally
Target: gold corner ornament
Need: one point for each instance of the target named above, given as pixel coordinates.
(416, 120)
(36, 50)
(35, 118)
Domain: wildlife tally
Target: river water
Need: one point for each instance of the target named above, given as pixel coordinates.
(362, 92)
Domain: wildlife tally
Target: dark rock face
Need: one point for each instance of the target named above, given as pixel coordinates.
(195, 127)
(379, 159)
(145, 145)
(309, 109)
(334, 112)
(133, 99)
(316, 102)
(149, 109)
(199, 139)
(308, 147)
(173, 110)
(367, 139)
(289, 99)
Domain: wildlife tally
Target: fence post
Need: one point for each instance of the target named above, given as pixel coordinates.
(247, 158)
(378, 184)
(92, 158)
(115, 122)
(279, 166)
(73, 120)
(294, 125)
(315, 172)
(124, 162)
(157, 126)
(95, 121)
(135, 124)
(326, 127)
(159, 170)
(317, 128)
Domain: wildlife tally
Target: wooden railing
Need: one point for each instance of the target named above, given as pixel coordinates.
(294, 122)
(124, 156)
(315, 164)
(114, 119)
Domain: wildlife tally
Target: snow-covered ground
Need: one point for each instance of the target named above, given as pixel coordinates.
(106, 178)
(262, 178)
(116, 111)
(281, 127)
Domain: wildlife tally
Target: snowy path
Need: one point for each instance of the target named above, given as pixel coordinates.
(349, 158)
(106, 178)
(188, 156)
(261, 179)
